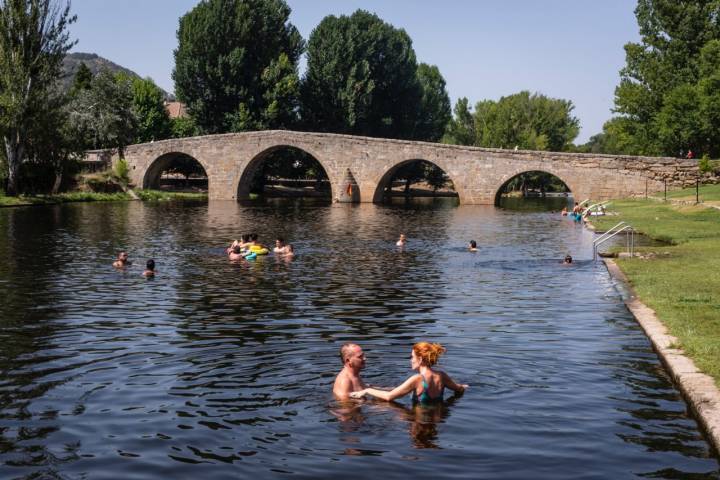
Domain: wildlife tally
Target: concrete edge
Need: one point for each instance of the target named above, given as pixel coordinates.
(699, 389)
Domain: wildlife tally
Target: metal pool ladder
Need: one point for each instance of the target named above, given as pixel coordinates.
(619, 228)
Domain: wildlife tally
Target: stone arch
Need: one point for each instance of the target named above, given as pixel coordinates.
(520, 171)
(390, 173)
(244, 181)
(161, 163)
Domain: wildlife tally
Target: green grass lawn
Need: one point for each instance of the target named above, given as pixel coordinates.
(682, 281)
(145, 195)
(708, 193)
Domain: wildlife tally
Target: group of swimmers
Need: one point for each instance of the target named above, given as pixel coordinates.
(123, 261)
(249, 248)
(427, 385)
(579, 212)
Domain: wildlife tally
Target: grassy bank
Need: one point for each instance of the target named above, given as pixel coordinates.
(681, 281)
(145, 195)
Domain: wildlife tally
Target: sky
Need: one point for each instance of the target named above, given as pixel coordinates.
(570, 49)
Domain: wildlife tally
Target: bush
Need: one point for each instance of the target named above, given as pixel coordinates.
(122, 171)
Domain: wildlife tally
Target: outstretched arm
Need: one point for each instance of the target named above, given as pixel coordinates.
(397, 392)
(450, 383)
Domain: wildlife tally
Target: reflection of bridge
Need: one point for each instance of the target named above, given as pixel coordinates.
(360, 167)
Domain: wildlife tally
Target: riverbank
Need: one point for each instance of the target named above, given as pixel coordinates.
(680, 281)
(144, 195)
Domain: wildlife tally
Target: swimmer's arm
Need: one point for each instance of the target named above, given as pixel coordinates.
(397, 392)
(450, 383)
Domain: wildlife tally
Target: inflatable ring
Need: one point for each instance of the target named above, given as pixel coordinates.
(259, 250)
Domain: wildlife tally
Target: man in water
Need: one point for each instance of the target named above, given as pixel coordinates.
(348, 380)
(149, 268)
(122, 260)
(401, 241)
(567, 260)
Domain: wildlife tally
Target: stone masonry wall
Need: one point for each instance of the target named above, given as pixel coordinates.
(477, 173)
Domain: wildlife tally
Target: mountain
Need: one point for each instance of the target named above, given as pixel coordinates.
(95, 63)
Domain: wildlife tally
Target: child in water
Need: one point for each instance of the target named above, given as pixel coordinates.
(472, 246)
(401, 241)
(149, 268)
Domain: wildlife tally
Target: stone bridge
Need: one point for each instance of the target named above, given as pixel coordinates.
(359, 168)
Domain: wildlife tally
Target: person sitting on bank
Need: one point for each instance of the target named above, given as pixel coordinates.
(279, 246)
(472, 246)
(401, 241)
(348, 380)
(427, 386)
(149, 268)
(122, 260)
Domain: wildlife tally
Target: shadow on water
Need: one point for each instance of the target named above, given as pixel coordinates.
(535, 204)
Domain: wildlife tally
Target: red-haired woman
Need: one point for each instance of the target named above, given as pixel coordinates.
(427, 385)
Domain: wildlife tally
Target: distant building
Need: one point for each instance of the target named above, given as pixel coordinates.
(176, 109)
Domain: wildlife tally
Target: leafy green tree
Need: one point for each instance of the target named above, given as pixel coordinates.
(103, 116)
(461, 129)
(234, 62)
(83, 79)
(434, 113)
(361, 78)
(660, 81)
(183, 127)
(530, 122)
(33, 43)
(148, 103)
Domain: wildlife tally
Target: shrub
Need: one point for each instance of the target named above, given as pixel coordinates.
(122, 171)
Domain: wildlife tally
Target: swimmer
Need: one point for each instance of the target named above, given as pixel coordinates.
(289, 251)
(564, 212)
(472, 246)
(567, 260)
(401, 241)
(122, 260)
(236, 253)
(149, 268)
(348, 380)
(427, 386)
(279, 246)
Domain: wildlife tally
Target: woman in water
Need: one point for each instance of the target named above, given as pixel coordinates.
(427, 386)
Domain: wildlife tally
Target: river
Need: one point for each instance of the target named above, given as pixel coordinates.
(220, 370)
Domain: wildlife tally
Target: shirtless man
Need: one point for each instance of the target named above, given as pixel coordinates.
(122, 260)
(348, 380)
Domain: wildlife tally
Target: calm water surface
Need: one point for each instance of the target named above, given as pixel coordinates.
(221, 370)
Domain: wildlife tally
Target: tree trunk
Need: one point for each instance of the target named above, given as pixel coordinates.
(14, 153)
(407, 188)
(57, 183)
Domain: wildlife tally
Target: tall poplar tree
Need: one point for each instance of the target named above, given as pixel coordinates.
(33, 43)
(236, 65)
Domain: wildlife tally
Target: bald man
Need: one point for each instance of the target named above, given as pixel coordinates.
(348, 380)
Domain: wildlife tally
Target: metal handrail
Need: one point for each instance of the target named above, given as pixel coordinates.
(608, 232)
(629, 239)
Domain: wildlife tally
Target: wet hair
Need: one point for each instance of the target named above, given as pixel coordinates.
(568, 259)
(245, 238)
(280, 239)
(345, 351)
(236, 249)
(253, 237)
(473, 244)
(150, 265)
(428, 353)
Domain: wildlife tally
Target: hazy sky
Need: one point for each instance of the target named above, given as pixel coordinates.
(571, 49)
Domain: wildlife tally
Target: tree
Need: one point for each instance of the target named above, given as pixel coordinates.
(148, 103)
(235, 62)
(361, 78)
(182, 127)
(530, 122)
(103, 116)
(434, 113)
(662, 79)
(83, 79)
(33, 42)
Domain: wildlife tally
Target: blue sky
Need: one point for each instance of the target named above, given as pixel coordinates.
(570, 49)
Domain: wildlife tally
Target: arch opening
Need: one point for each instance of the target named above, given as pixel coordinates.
(176, 172)
(284, 172)
(418, 181)
(533, 190)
